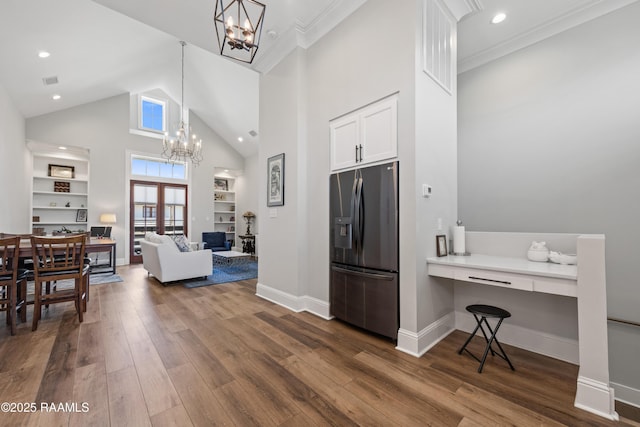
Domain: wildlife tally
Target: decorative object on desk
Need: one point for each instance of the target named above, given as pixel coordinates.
(81, 215)
(35, 219)
(67, 205)
(238, 26)
(248, 217)
(538, 252)
(441, 245)
(184, 145)
(459, 239)
(560, 258)
(221, 184)
(61, 187)
(60, 171)
(275, 179)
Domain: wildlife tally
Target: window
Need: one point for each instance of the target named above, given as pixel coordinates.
(142, 166)
(152, 114)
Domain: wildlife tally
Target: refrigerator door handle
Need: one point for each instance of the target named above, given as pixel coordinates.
(354, 214)
(360, 218)
(358, 215)
(376, 276)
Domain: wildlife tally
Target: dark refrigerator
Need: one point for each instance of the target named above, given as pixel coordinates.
(364, 248)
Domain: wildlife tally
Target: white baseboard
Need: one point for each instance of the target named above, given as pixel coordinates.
(538, 342)
(596, 397)
(417, 344)
(305, 303)
(626, 394)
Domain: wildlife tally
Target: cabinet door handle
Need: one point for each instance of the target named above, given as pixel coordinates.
(356, 154)
(504, 282)
(360, 152)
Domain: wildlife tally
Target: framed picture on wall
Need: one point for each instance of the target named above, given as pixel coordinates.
(275, 180)
(441, 245)
(60, 171)
(81, 215)
(220, 184)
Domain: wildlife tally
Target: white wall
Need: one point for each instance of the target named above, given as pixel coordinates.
(103, 128)
(14, 169)
(247, 194)
(435, 165)
(354, 65)
(280, 258)
(548, 142)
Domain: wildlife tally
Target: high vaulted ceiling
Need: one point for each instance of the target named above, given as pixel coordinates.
(103, 48)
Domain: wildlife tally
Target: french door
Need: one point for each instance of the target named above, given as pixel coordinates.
(156, 207)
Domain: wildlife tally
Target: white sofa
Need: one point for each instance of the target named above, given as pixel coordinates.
(162, 258)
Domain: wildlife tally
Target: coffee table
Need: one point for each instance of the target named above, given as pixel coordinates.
(230, 258)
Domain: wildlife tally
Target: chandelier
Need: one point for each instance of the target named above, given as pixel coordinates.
(181, 147)
(239, 28)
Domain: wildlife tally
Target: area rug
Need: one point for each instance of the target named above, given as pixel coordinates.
(226, 274)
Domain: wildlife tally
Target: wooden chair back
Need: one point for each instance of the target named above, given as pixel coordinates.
(58, 255)
(9, 248)
(13, 281)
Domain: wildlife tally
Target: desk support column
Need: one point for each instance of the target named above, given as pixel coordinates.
(593, 393)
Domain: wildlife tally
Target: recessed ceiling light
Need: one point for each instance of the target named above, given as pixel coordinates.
(498, 18)
(240, 139)
(56, 97)
(43, 54)
(226, 170)
(62, 148)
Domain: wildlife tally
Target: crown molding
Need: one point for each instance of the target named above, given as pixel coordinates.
(460, 8)
(548, 29)
(306, 34)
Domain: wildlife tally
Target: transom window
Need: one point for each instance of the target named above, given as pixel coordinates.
(156, 168)
(152, 114)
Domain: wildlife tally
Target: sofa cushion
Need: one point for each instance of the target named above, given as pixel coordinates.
(182, 243)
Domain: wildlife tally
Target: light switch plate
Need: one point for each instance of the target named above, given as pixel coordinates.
(273, 213)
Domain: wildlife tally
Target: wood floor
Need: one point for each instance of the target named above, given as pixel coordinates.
(218, 355)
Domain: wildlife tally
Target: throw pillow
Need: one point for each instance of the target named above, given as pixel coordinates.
(182, 243)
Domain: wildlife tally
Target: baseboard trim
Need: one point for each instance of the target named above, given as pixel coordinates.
(626, 394)
(596, 397)
(298, 304)
(418, 343)
(528, 339)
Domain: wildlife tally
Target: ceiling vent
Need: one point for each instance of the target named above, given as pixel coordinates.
(50, 80)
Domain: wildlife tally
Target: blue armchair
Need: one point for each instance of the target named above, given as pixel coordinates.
(216, 241)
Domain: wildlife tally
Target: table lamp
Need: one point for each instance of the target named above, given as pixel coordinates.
(107, 218)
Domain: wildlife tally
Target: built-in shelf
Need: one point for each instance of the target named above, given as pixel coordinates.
(224, 206)
(49, 212)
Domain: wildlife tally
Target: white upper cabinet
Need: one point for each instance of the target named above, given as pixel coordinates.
(367, 135)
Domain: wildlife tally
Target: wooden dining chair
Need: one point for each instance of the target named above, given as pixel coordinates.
(55, 259)
(13, 282)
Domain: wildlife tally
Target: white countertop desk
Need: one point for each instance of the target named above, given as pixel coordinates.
(586, 282)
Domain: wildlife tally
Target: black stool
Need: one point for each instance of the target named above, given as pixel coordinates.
(481, 312)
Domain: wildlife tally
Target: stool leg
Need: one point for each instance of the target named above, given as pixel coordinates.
(486, 338)
(486, 350)
(504, 354)
(470, 336)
